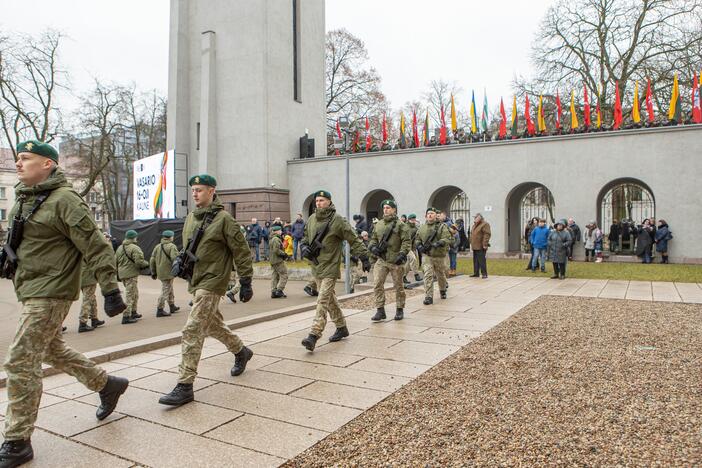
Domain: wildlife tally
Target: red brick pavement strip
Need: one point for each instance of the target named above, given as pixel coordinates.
(565, 381)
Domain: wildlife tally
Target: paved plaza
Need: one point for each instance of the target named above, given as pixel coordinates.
(288, 399)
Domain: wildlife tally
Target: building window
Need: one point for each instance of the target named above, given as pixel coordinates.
(3, 195)
(3, 214)
(297, 79)
(98, 215)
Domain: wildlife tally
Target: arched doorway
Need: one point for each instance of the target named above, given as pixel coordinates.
(629, 201)
(370, 205)
(308, 207)
(524, 202)
(453, 201)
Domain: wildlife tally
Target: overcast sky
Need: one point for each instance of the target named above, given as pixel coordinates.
(480, 45)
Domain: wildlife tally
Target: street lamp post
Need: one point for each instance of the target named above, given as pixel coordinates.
(344, 124)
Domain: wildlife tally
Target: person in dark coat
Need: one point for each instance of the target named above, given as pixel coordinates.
(615, 231)
(559, 241)
(663, 235)
(298, 232)
(644, 241)
(361, 224)
(265, 237)
(463, 246)
(531, 225)
(253, 237)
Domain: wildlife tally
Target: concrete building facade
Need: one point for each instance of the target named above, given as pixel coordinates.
(246, 81)
(579, 171)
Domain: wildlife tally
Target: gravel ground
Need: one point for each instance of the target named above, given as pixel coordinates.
(565, 381)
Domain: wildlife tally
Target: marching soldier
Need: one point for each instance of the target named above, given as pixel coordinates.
(390, 244)
(357, 273)
(221, 244)
(161, 263)
(130, 259)
(433, 239)
(325, 232)
(412, 264)
(311, 286)
(52, 231)
(234, 287)
(277, 259)
(88, 307)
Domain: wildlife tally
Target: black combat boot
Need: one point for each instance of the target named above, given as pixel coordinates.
(310, 292)
(231, 296)
(109, 395)
(340, 333)
(405, 281)
(84, 327)
(379, 315)
(428, 300)
(180, 395)
(96, 323)
(160, 312)
(128, 319)
(442, 294)
(417, 278)
(310, 342)
(173, 308)
(15, 453)
(399, 313)
(240, 360)
(277, 294)
(190, 303)
(136, 315)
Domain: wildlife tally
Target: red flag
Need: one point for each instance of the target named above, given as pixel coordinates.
(503, 120)
(559, 111)
(617, 108)
(649, 102)
(442, 131)
(696, 105)
(415, 133)
(385, 129)
(586, 109)
(527, 115)
(338, 128)
(369, 140)
(354, 146)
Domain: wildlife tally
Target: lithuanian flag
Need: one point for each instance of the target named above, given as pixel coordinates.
(454, 124)
(540, 120)
(473, 115)
(573, 116)
(635, 112)
(515, 118)
(402, 130)
(674, 110)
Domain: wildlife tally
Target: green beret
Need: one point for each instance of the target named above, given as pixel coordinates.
(40, 148)
(167, 234)
(131, 234)
(431, 208)
(322, 193)
(403, 216)
(390, 203)
(203, 179)
(412, 216)
(276, 228)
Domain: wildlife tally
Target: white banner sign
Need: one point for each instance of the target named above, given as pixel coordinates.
(154, 186)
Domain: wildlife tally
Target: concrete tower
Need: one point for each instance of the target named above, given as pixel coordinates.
(245, 82)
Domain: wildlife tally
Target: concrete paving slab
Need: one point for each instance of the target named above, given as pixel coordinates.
(71, 417)
(53, 451)
(46, 401)
(163, 382)
(301, 354)
(384, 366)
(344, 395)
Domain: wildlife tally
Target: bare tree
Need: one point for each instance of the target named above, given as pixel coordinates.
(599, 43)
(438, 96)
(30, 77)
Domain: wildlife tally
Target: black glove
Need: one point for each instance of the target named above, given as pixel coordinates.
(354, 259)
(246, 291)
(401, 258)
(436, 245)
(420, 248)
(114, 305)
(366, 263)
(305, 251)
(375, 250)
(153, 276)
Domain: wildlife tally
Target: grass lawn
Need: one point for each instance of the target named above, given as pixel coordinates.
(613, 271)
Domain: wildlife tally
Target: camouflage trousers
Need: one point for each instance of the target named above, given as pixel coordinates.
(280, 276)
(131, 286)
(412, 263)
(204, 320)
(233, 285)
(166, 293)
(38, 340)
(380, 272)
(326, 304)
(357, 273)
(88, 307)
(312, 284)
(434, 266)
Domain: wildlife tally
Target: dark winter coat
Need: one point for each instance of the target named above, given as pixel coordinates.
(643, 241)
(298, 229)
(558, 243)
(614, 232)
(663, 235)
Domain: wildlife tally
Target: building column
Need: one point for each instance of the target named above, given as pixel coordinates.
(207, 158)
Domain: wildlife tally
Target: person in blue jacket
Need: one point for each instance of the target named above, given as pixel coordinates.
(539, 242)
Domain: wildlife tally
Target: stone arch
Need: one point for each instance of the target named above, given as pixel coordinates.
(308, 207)
(453, 201)
(370, 205)
(625, 199)
(525, 201)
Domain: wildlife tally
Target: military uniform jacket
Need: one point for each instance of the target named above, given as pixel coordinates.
(412, 227)
(87, 277)
(162, 258)
(56, 238)
(221, 244)
(130, 259)
(399, 240)
(276, 250)
(443, 235)
(339, 231)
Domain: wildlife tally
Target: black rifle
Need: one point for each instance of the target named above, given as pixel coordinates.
(315, 248)
(8, 254)
(426, 246)
(184, 263)
(382, 246)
